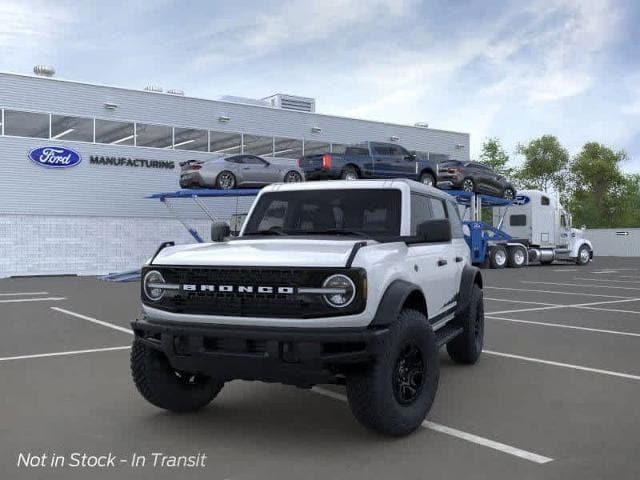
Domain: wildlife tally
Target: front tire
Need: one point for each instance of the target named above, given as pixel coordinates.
(467, 347)
(394, 394)
(164, 387)
(584, 255)
(226, 180)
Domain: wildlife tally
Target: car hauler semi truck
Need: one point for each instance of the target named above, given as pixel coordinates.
(537, 224)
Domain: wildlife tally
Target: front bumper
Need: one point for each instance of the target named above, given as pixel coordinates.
(295, 356)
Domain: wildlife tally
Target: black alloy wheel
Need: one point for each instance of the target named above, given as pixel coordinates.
(408, 374)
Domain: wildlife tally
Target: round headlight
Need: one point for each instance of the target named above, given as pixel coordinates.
(153, 281)
(345, 290)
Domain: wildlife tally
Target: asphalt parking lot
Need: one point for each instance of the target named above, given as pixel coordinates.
(555, 395)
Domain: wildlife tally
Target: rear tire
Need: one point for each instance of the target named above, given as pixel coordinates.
(468, 185)
(498, 256)
(393, 395)
(517, 257)
(164, 387)
(428, 179)
(292, 177)
(467, 347)
(349, 173)
(226, 180)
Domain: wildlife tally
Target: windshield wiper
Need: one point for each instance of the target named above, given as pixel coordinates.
(266, 232)
(331, 231)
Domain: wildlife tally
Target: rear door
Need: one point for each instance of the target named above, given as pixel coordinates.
(360, 156)
(382, 160)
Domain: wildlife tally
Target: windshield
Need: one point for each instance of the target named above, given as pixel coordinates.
(361, 212)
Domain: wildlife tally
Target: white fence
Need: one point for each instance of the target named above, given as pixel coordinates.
(615, 242)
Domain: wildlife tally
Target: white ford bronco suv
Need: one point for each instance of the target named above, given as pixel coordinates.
(355, 283)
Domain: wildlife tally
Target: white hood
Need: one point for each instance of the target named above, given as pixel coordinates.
(271, 252)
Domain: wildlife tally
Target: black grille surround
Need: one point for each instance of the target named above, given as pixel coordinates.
(276, 305)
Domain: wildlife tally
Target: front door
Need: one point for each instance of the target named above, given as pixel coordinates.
(564, 230)
(256, 171)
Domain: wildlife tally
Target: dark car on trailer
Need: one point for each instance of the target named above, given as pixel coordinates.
(474, 177)
(371, 160)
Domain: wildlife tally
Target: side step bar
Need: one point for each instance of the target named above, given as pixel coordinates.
(446, 334)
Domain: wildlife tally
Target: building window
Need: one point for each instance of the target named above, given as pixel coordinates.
(287, 148)
(26, 124)
(257, 145)
(114, 133)
(190, 139)
(71, 128)
(157, 136)
(313, 147)
(338, 148)
(225, 142)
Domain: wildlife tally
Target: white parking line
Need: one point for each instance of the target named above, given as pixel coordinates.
(608, 280)
(581, 285)
(614, 310)
(520, 301)
(62, 354)
(560, 325)
(575, 305)
(94, 320)
(469, 437)
(564, 365)
(565, 270)
(584, 294)
(40, 299)
(7, 294)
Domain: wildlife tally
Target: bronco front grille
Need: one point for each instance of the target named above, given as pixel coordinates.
(277, 305)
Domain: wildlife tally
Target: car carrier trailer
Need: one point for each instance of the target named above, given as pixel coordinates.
(532, 228)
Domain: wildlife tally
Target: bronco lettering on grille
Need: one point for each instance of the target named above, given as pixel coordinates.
(237, 289)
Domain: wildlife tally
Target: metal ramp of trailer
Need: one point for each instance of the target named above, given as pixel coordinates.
(195, 195)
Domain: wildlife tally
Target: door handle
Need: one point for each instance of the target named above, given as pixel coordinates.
(442, 262)
(459, 259)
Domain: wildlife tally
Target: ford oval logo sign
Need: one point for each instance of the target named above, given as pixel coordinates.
(55, 157)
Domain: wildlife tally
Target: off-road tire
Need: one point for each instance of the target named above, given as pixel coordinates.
(371, 392)
(349, 173)
(467, 347)
(513, 260)
(495, 258)
(165, 388)
(580, 259)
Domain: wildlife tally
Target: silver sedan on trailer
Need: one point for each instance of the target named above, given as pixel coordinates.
(227, 172)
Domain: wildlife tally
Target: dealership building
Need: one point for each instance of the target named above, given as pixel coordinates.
(118, 146)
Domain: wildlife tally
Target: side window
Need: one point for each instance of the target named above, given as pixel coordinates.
(356, 151)
(544, 201)
(381, 150)
(420, 211)
(563, 220)
(437, 209)
(234, 159)
(250, 160)
(456, 222)
(518, 220)
(397, 151)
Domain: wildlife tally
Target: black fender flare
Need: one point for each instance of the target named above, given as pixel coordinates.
(392, 302)
(470, 276)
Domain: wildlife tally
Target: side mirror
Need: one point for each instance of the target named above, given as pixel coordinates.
(433, 231)
(219, 231)
(410, 157)
(583, 228)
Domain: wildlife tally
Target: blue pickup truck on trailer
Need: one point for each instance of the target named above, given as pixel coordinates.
(371, 160)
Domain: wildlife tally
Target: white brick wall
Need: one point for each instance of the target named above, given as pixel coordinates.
(46, 245)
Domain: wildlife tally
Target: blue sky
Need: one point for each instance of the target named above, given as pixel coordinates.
(514, 70)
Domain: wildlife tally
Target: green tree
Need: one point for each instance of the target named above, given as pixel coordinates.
(494, 156)
(601, 194)
(545, 163)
